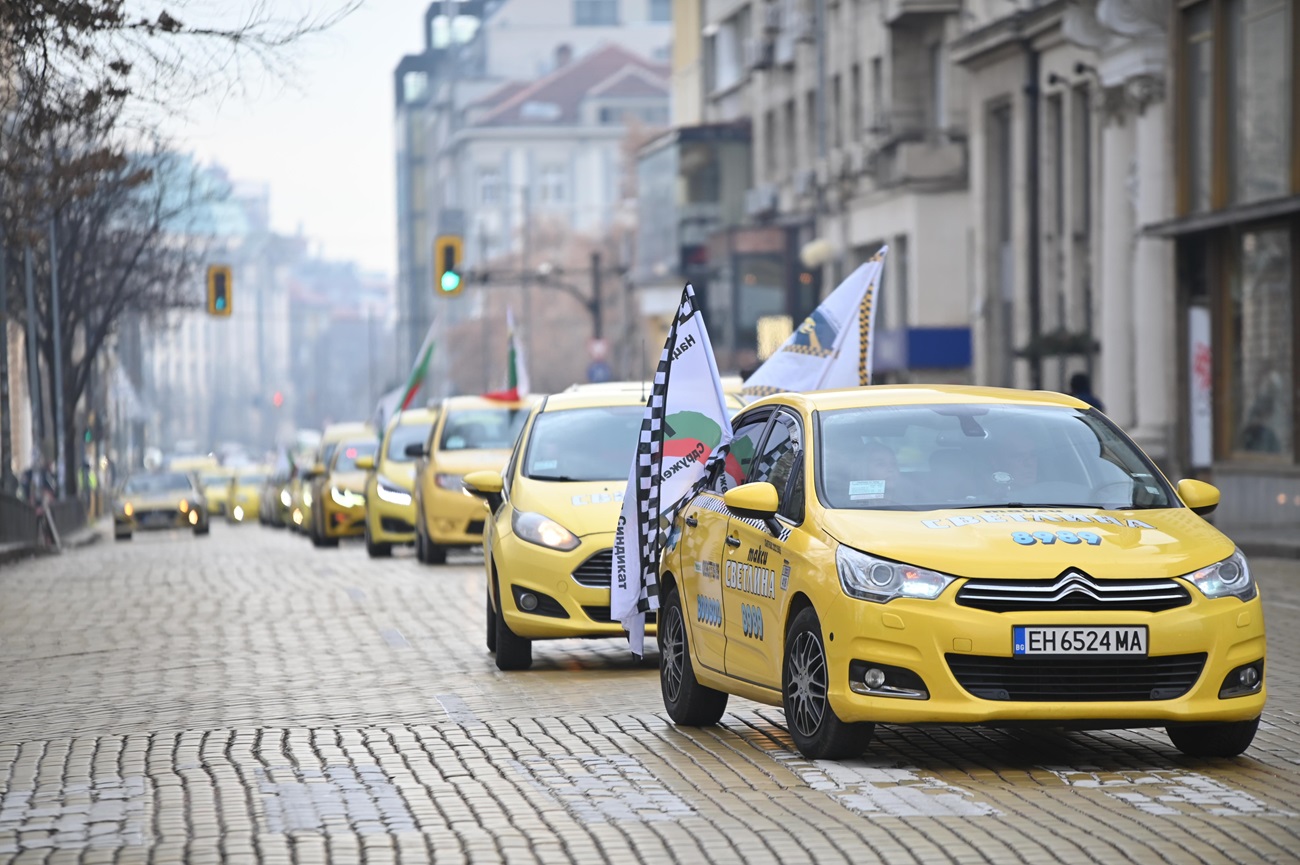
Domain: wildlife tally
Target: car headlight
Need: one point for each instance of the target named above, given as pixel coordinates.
(285, 498)
(127, 509)
(543, 531)
(392, 493)
(1228, 578)
(449, 482)
(347, 498)
(878, 580)
(306, 497)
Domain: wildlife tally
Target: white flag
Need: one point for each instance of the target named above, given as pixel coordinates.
(686, 425)
(833, 346)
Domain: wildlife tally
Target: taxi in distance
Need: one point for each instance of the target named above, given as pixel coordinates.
(244, 495)
(214, 482)
(307, 489)
(907, 554)
(159, 500)
(390, 479)
(472, 433)
(340, 510)
(548, 548)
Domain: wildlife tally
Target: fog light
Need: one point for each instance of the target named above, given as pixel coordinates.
(194, 518)
(874, 678)
(1249, 677)
(1243, 681)
(527, 602)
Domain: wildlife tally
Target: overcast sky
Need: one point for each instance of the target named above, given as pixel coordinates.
(322, 141)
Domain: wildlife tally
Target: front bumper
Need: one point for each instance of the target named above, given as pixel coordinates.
(159, 519)
(244, 509)
(340, 521)
(390, 523)
(572, 602)
(453, 518)
(945, 644)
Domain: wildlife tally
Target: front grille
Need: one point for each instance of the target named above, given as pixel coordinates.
(601, 614)
(475, 527)
(595, 572)
(1072, 590)
(1077, 679)
(395, 525)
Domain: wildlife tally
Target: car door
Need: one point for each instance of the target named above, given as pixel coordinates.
(704, 532)
(756, 557)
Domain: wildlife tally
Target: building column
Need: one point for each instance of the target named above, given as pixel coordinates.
(1153, 277)
(1115, 384)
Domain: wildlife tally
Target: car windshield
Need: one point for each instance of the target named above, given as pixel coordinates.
(164, 482)
(482, 429)
(251, 480)
(583, 444)
(404, 435)
(208, 479)
(971, 456)
(353, 451)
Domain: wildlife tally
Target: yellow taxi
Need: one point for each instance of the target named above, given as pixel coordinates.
(548, 548)
(159, 500)
(306, 488)
(214, 483)
(390, 478)
(471, 434)
(906, 554)
(244, 494)
(340, 509)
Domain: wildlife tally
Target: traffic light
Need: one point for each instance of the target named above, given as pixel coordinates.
(219, 289)
(447, 278)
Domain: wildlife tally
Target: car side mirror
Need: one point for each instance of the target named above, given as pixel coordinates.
(758, 500)
(485, 485)
(365, 463)
(1201, 497)
(415, 450)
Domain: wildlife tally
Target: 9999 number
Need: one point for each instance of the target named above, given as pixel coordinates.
(1028, 539)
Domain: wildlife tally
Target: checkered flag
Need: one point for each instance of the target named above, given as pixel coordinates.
(654, 492)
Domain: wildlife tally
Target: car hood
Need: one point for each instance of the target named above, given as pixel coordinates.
(156, 501)
(464, 462)
(402, 473)
(983, 542)
(582, 507)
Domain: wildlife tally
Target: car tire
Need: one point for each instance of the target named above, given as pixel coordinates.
(491, 619)
(200, 531)
(434, 554)
(513, 653)
(1224, 739)
(817, 732)
(689, 703)
(122, 536)
(374, 550)
(421, 546)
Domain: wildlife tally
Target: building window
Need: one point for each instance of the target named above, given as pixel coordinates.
(661, 10)
(810, 126)
(1199, 106)
(595, 13)
(1259, 93)
(837, 112)
(790, 153)
(552, 185)
(489, 187)
(1261, 320)
(938, 88)
(726, 52)
(855, 93)
(770, 139)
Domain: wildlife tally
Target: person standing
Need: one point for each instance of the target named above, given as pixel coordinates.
(1081, 388)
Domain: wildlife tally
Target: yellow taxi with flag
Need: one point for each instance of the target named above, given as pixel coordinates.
(548, 547)
(340, 508)
(472, 433)
(390, 480)
(159, 500)
(244, 494)
(908, 554)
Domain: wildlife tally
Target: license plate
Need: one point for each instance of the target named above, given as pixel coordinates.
(1127, 640)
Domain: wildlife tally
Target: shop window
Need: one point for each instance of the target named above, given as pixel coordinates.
(761, 293)
(1261, 317)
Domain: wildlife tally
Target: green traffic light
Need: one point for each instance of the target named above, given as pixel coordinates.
(450, 281)
(220, 304)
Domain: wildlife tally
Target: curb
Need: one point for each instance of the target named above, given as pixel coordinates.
(82, 537)
(1270, 549)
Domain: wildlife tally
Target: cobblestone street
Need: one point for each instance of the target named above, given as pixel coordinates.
(248, 698)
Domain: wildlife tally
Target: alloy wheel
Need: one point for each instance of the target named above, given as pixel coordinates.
(806, 688)
(673, 649)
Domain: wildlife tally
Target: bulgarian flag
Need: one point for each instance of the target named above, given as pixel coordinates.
(516, 370)
(419, 371)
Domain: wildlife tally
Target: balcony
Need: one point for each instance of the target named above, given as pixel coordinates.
(897, 10)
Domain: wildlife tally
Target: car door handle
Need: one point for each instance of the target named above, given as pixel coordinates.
(733, 542)
(691, 521)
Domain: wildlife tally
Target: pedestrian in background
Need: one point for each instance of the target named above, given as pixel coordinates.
(1081, 388)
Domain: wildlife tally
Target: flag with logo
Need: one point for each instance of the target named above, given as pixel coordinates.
(516, 370)
(686, 426)
(833, 346)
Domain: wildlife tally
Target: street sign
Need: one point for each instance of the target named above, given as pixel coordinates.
(599, 371)
(598, 349)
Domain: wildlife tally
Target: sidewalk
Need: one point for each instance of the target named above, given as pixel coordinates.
(88, 534)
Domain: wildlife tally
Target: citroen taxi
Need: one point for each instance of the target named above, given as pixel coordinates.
(340, 509)
(471, 434)
(908, 554)
(390, 478)
(548, 547)
(159, 500)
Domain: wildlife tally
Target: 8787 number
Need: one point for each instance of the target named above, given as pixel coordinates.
(1028, 539)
